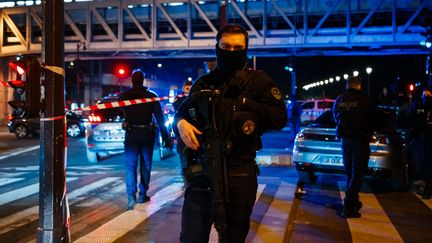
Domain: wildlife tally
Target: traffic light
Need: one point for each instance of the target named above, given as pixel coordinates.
(27, 84)
(120, 71)
(411, 87)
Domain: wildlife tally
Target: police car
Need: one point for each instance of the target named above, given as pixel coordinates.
(312, 109)
(318, 150)
(105, 136)
(104, 133)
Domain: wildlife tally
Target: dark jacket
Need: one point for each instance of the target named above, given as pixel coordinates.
(142, 114)
(354, 115)
(255, 97)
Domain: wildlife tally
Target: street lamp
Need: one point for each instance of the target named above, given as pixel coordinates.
(293, 79)
(337, 78)
(368, 71)
(355, 73)
(345, 76)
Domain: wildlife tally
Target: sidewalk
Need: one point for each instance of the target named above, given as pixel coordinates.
(3, 130)
(275, 157)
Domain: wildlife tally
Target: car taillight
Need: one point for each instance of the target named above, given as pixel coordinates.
(10, 117)
(381, 139)
(94, 119)
(300, 136)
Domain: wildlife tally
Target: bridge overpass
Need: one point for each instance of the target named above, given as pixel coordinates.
(187, 28)
(146, 29)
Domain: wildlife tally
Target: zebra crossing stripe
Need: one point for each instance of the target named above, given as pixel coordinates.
(22, 192)
(19, 151)
(5, 181)
(374, 224)
(427, 202)
(128, 220)
(214, 238)
(28, 215)
(273, 225)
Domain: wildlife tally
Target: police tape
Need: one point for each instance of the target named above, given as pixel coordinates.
(125, 103)
(4, 83)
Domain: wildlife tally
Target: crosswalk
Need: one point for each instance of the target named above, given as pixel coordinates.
(97, 201)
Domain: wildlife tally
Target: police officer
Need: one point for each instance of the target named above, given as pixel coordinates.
(249, 104)
(423, 132)
(353, 114)
(180, 144)
(140, 137)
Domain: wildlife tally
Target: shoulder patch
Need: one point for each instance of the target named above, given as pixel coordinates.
(276, 93)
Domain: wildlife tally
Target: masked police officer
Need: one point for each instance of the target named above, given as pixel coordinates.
(140, 137)
(353, 114)
(249, 104)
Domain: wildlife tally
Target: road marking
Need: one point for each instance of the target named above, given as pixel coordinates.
(23, 192)
(427, 202)
(31, 214)
(273, 225)
(214, 238)
(12, 174)
(5, 181)
(374, 224)
(128, 220)
(19, 151)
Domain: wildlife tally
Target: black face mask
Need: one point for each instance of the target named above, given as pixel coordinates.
(230, 61)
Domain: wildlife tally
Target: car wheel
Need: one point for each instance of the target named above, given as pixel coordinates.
(73, 130)
(21, 131)
(92, 157)
(307, 177)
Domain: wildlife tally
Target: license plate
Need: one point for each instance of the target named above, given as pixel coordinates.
(330, 160)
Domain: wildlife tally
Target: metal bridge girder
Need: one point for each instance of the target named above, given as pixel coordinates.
(134, 27)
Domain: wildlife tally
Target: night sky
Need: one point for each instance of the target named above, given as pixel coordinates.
(386, 69)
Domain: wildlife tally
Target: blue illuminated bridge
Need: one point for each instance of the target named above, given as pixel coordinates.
(187, 28)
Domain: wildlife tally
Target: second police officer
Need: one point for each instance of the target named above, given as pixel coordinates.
(140, 137)
(249, 104)
(353, 114)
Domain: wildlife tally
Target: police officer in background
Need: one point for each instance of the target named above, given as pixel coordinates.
(353, 114)
(140, 137)
(422, 125)
(249, 104)
(180, 144)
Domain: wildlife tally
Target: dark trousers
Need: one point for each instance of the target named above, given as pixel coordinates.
(356, 158)
(197, 211)
(138, 146)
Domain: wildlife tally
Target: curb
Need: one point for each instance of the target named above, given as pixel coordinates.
(275, 160)
(274, 157)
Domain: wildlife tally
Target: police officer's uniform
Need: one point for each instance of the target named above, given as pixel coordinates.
(140, 138)
(423, 134)
(180, 144)
(249, 104)
(353, 114)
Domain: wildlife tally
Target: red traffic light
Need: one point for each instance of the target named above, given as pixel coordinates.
(120, 71)
(411, 87)
(18, 67)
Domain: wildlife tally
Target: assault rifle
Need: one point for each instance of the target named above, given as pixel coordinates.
(214, 163)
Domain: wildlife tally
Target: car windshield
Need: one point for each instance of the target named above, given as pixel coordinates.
(325, 120)
(384, 121)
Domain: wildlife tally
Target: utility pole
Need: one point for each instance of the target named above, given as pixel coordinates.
(53, 206)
